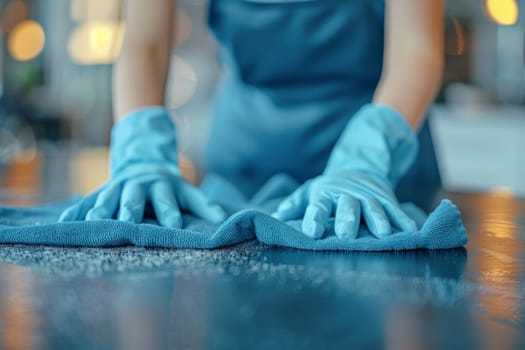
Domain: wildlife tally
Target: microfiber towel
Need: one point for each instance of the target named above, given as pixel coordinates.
(248, 220)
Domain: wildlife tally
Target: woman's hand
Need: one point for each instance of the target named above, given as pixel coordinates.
(144, 170)
(376, 149)
(346, 195)
(125, 199)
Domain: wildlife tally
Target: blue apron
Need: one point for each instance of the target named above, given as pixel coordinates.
(295, 71)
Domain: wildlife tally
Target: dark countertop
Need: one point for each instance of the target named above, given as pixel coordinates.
(256, 296)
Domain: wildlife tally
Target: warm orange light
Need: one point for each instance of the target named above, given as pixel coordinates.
(96, 42)
(19, 319)
(92, 161)
(26, 40)
(504, 12)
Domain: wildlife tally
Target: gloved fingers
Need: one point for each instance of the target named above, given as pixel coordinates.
(375, 217)
(293, 206)
(399, 218)
(106, 204)
(132, 202)
(347, 217)
(165, 205)
(316, 215)
(79, 210)
(195, 201)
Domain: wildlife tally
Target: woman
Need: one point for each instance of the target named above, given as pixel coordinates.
(330, 92)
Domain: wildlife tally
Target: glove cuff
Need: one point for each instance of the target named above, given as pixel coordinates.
(377, 139)
(144, 135)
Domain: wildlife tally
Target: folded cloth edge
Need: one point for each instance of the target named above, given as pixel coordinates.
(443, 229)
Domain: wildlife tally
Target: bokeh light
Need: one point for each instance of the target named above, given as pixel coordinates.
(504, 191)
(12, 14)
(101, 37)
(26, 40)
(504, 12)
(89, 169)
(91, 10)
(96, 42)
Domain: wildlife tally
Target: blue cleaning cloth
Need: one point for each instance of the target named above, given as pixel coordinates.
(248, 220)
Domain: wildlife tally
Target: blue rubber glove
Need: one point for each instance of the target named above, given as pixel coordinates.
(143, 169)
(375, 150)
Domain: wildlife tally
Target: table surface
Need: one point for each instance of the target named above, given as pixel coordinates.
(256, 296)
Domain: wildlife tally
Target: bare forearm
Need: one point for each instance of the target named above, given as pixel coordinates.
(413, 60)
(141, 70)
(412, 86)
(139, 80)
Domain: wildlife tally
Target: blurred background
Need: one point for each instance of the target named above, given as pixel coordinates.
(55, 95)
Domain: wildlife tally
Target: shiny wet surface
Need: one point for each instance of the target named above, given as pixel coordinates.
(256, 296)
